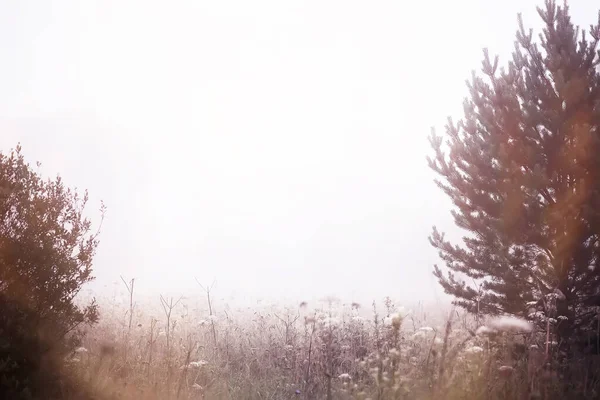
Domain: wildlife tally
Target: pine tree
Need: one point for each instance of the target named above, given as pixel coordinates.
(523, 171)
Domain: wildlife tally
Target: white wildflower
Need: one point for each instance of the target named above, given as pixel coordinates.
(197, 364)
(345, 376)
(474, 350)
(511, 324)
(562, 318)
(532, 303)
(484, 330)
(418, 335)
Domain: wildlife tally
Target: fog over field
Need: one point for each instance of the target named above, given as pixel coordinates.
(275, 147)
(299, 199)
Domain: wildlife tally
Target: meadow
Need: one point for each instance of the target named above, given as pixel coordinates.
(202, 348)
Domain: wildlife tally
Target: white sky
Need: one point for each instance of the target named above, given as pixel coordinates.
(277, 146)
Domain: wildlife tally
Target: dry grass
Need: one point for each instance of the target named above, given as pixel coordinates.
(327, 350)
